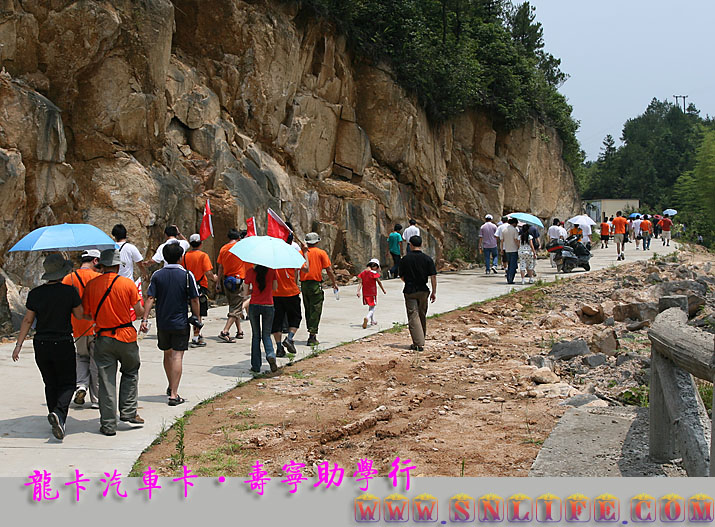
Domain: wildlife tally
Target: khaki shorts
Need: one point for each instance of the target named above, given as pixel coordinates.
(235, 302)
(618, 237)
(665, 235)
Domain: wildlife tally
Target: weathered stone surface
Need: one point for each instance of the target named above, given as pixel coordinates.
(695, 291)
(544, 376)
(605, 342)
(567, 350)
(586, 400)
(593, 361)
(352, 149)
(635, 326)
(541, 362)
(635, 311)
(591, 310)
(590, 314)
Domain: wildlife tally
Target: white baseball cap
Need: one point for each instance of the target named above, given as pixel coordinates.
(194, 238)
(489, 217)
(375, 261)
(91, 253)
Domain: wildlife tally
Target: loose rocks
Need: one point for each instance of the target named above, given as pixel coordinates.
(567, 350)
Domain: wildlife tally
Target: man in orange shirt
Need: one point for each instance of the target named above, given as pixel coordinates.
(199, 263)
(231, 272)
(83, 331)
(311, 284)
(619, 225)
(108, 299)
(646, 232)
(605, 233)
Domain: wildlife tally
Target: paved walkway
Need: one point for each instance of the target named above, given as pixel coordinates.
(26, 442)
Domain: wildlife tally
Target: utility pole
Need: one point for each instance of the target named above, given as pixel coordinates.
(678, 97)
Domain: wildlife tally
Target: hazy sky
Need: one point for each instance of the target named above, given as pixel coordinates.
(622, 53)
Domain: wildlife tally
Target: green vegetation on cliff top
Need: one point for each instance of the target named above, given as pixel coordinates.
(460, 54)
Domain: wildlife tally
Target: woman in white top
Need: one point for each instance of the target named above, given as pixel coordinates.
(527, 254)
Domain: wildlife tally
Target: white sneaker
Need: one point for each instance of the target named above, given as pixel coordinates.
(531, 280)
(522, 281)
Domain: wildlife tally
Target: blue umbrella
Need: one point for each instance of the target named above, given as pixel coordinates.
(634, 215)
(65, 237)
(670, 212)
(273, 253)
(527, 218)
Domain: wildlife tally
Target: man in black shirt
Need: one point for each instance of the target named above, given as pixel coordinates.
(415, 268)
(51, 304)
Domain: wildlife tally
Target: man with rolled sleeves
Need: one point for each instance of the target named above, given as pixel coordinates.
(108, 300)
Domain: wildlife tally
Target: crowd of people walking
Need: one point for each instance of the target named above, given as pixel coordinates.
(84, 318)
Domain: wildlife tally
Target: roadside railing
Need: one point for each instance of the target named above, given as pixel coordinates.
(679, 423)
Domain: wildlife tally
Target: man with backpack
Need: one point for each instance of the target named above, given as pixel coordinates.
(108, 299)
(172, 287)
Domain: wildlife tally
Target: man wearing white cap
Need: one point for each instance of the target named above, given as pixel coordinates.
(488, 243)
(108, 300)
(369, 280)
(83, 331)
(311, 284)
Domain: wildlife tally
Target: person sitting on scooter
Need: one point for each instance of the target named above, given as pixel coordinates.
(576, 231)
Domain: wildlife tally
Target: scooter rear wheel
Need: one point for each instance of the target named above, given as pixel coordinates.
(586, 266)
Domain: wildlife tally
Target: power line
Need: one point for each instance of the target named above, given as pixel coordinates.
(678, 97)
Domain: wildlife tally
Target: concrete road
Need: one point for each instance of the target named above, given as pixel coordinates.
(26, 442)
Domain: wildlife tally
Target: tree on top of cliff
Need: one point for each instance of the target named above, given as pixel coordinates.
(459, 54)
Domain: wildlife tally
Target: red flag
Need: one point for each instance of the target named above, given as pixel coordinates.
(251, 226)
(276, 226)
(207, 227)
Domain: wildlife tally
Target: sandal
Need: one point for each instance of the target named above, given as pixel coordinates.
(226, 336)
(175, 402)
(239, 335)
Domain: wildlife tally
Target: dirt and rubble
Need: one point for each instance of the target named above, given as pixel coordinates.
(493, 381)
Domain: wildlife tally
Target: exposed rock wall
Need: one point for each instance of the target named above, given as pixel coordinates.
(135, 112)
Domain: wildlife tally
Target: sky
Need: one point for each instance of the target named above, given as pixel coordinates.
(620, 54)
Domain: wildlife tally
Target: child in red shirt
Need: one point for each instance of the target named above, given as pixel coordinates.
(369, 280)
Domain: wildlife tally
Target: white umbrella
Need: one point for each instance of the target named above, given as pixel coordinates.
(582, 220)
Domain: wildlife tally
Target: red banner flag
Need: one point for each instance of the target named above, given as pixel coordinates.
(276, 226)
(207, 227)
(251, 226)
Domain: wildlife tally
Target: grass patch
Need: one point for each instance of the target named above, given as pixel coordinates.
(252, 426)
(637, 396)
(298, 375)
(245, 414)
(706, 394)
(396, 327)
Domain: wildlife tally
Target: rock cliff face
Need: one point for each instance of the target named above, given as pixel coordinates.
(136, 112)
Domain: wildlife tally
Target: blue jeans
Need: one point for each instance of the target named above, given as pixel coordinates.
(512, 260)
(490, 257)
(261, 318)
(646, 241)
